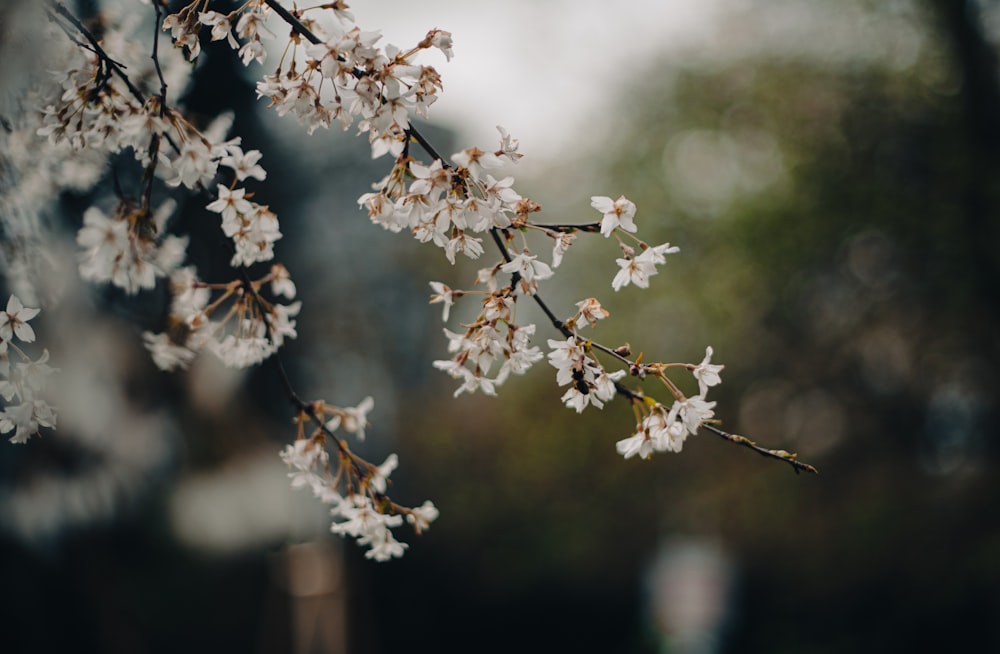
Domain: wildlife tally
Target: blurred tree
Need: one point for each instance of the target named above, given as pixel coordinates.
(836, 213)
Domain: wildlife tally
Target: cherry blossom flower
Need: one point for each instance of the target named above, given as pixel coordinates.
(14, 321)
(30, 376)
(562, 243)
(305, 454)
(707, 373)
(189, 296)
(422, 516)
(183, 28)
(444, 295)
(508, 146)
(355, 419)
(166, 354)
(279, 319)
(693, 411)
(361, 518)
(591, 310)
(282, 283)
(383, 546)
(529, 268)
(617, 213)
(660, 431)
(470, 246)
(654, 255)
(24, 419)
(380, 478)
(442, 41)
(131, 261)
(502, 189)
(476, 161)
(230, 204)
(666, 433)
(498, 306)
(244, 164)
(633, 271)
(193, 166)
(221, 28)
(638, 443)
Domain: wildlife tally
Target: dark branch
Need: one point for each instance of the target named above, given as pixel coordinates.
(156, 59)
(591, 228)
(118, 68)
(788, 457)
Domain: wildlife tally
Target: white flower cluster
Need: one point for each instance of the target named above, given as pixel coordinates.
(494, 336)
(100, 111)
(342, 74)
(121, 251)
(23, 382)
(249, 331)
(664, 430)
(590, 383)
(453, 208)
(362, 511)
(103, 110)
(619, 215)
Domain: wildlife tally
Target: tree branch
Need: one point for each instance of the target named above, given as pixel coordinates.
(788, 457)
(631, 395)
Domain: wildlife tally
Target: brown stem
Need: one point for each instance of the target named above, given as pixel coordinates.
(790, 458)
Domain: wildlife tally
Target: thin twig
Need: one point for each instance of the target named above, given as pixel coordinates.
(118, 68)
(591, 228)
(156, 58)
(295, 23)
(788, 457)
(112, 64)
(300, 405)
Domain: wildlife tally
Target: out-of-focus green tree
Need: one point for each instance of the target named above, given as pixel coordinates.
(837, 215)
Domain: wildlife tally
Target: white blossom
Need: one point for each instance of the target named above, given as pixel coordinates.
(529, 268)
(445, 296)
(14, 321)
(508, 145)
(244, 165)
(355, 419)
(707, 373)
(166, 354)
(422, 516)
(24, 419)
(380, 478)
(221, 28)
(617, 213)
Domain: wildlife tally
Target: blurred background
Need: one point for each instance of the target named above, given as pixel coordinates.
(830, 173)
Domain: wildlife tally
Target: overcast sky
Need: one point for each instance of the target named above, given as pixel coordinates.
(540, 68)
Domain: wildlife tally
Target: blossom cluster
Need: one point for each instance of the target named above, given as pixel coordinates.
(101, 109)
(362, 509)
(250, 328)
(339, 75)
(22, 383)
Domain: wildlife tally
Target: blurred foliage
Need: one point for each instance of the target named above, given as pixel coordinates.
(838, 235)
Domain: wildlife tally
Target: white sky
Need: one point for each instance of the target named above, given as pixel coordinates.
(540, 68)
